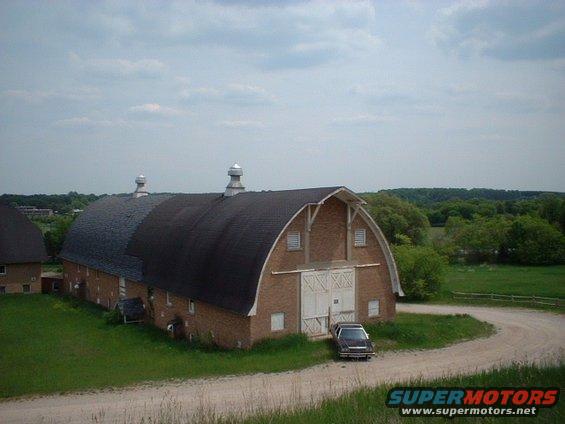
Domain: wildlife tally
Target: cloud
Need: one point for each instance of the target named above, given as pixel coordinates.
(242, 124)
(505, 30)
(274, 35)
(85, 122)
(239, 94)
(39, 96)
(119, 68)
(155, 109)
(363, 120)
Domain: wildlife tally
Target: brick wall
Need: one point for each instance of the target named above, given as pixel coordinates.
(99, 287)
(328, 243)
(373, 283)
(17, 275)
(228, 329)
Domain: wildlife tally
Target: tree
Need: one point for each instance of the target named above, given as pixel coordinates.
(534, 241)
(421, 270)
(55, 237)
(480, 239)
(397, 218)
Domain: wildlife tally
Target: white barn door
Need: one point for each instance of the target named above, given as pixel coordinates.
(343, 295)
(326, 297)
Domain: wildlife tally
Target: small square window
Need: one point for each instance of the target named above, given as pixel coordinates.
(2, 269)
(2, 289)
(277, 321)
(374, 308)
(360, 237)
(293, 240)
(191, 307)
(26, 288)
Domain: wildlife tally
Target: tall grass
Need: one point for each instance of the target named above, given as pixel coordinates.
(360, 406)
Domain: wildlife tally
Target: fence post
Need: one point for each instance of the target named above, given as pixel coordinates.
(492, 296)
(512, 297)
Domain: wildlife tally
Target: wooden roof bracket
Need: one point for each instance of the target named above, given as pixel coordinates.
(312, 217)
(350, 216)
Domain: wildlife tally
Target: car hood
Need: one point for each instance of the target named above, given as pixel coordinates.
(355, 343)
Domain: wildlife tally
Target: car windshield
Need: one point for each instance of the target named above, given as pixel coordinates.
(352, 334)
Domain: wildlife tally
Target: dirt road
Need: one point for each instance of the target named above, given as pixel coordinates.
(522, 335)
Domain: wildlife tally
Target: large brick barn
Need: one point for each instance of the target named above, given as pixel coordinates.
(21, 253)
(236, 266)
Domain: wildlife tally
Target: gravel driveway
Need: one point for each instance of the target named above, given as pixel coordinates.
(522, 335)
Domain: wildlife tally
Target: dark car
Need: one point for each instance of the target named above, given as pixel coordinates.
(352, 341)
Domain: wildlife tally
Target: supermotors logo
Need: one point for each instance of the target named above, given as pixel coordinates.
(460, 402)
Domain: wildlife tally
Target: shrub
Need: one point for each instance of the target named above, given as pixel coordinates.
(113, 317)
(421, 270)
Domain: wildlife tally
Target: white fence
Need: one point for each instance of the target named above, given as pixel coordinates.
(551, 301)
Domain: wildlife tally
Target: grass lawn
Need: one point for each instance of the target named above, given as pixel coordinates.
(548, 281)
(368, 405)
(49, 344)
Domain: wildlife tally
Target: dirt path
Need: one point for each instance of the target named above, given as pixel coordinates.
(522, 335)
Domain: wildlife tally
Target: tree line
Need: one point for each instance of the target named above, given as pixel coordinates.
(527, 231)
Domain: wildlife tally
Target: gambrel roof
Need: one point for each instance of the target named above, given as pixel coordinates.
(20, 239)
(206, 247)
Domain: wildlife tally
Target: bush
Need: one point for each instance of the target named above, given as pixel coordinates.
(421, 270)
(113, 317)
(534, 241)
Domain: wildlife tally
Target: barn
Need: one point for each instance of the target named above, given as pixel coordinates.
(21, 253)
(236, 266)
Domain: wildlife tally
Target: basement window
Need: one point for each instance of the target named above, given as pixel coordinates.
(26, 288)
(2, 269)
(277, 321)
(360, 239)
(293, 240)
(191, 307)
(374, 308)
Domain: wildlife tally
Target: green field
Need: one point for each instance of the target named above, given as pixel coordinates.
(547, 281)
(368, 405)
(49, 344)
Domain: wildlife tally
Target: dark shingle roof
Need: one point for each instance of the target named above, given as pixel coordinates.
(99, 236)
(20, 239)
(203, 246)
(212, 248)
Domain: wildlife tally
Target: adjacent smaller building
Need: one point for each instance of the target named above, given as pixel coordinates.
(21, 252)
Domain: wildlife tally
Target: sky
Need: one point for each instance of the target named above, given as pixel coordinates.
(369, 95)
